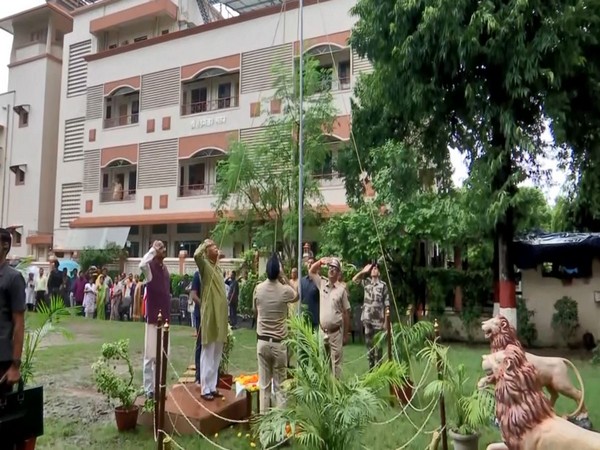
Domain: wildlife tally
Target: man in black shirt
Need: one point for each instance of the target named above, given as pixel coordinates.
(55, 280)
(310, 297)
(12, 317)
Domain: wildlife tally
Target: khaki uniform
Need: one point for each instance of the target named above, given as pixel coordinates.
(271, 300)
(376, 300)
(333, 304)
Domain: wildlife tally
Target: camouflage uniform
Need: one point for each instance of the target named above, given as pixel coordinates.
(376, 299)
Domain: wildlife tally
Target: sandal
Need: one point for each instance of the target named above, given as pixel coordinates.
(207, 397)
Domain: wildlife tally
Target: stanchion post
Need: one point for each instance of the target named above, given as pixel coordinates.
(157, 365)
(388, 335)
(436, 327)
(163, 384)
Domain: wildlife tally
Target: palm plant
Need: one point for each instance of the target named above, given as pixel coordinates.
(470, 408)
(38, 326)
(325, 413)
(407, 340)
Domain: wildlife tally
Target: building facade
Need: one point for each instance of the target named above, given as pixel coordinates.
(29, 126)
(153, 92)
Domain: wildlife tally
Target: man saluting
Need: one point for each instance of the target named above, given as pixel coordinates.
(213, 317)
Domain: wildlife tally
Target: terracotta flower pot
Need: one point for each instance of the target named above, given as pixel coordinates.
(126, 417)
(402, 393)
(225, 381)
(29, 444)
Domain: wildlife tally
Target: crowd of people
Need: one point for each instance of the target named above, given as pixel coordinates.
(214, 297)
(96, 293)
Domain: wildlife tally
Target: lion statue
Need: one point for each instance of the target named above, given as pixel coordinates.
(553, 373)
(527, 420)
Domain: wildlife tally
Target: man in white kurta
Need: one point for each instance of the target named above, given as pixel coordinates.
(158, 291)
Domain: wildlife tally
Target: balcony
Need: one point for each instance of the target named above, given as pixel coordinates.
(334, 65)
(198, 174)
(122, 108)
(119, 182)
(210, 90)
(331, 179)
(207, 106)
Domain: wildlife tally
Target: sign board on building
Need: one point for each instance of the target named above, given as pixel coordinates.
(208, 122)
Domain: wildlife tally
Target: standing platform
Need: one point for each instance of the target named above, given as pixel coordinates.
(184, 410)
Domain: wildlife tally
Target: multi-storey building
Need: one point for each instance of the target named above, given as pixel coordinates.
(29, 126)
(154, 91)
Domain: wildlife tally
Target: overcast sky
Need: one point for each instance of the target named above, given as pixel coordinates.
(8, 8)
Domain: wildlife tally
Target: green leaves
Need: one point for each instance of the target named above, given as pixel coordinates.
(469, 409)
(259, 180)
(38, 326)
(107, 377)
(325, 413)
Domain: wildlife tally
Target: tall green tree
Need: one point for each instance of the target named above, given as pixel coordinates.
(475, 76)
(259, 180)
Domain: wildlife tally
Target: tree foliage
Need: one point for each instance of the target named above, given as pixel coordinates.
(100, 257)
(259, 180)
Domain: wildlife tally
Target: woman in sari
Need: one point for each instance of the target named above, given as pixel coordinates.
(101, 298)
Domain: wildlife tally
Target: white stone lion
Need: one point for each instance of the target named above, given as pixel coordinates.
(526, 418)
(552, 372)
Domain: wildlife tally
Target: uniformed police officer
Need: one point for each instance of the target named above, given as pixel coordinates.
(376, 300)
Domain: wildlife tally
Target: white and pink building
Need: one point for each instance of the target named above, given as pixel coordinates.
(131, 103)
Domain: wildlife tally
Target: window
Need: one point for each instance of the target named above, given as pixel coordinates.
(19, 172)
(134, 250)
(163, 32)
(119, 181)
(134, 230)
(344, 74)
(199, 99)
(23, 119)
(122, 108)
(16, 238)
(211, 90)
(189, 228)
(140, 39)
(189, 246)
(224, 95)
(159, 229)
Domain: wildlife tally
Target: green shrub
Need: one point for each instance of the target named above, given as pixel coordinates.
(565, 320)
(526, 330)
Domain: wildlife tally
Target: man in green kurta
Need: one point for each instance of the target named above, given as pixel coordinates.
(214, 325)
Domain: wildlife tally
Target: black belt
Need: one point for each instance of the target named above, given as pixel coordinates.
(273, 340)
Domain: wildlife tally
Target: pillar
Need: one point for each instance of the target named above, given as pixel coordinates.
(458, 293)
(182, 257)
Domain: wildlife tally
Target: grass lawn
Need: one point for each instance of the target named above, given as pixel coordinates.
(78, 418)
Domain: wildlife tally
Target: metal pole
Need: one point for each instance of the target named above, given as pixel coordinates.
(163, 384)
(301, 151)
(157, 369)
(388, 329)
(436, 327)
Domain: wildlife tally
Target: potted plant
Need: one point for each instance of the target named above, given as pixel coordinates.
(469, 409)
(225, 378)
(37, 326)
(321, 411)
(118, 386)
(407, 340)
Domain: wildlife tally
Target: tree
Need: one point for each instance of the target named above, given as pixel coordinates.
(474, 76)
(100, 257)
(531, 210)
(259, 179)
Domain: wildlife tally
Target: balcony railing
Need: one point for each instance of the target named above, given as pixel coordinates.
(197, 190)
(121, 121)
(212, 105)
(111, 195)
(329, 179)
(336, 84)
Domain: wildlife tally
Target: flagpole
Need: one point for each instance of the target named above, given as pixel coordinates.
(300, 151)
